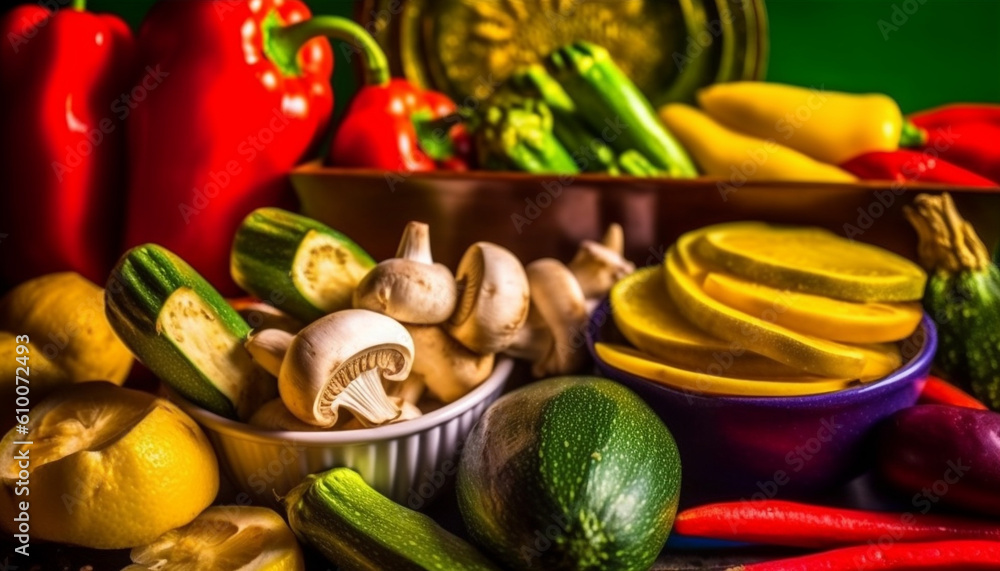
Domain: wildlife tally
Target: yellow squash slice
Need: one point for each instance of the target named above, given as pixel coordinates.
(811, 260)
(810, 354)
(833, 319)
(638, 363)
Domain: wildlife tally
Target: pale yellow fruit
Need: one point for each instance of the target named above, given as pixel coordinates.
(110, 468)
(63, 316)
(224, 538)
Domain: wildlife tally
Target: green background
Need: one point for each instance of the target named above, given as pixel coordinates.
(942, 51)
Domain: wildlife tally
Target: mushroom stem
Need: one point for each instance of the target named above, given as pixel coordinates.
(533, 340)
(268, 348)
(614, 239)
(365, 397)
(416, 243)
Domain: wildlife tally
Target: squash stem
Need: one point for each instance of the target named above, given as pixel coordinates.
(947, 242)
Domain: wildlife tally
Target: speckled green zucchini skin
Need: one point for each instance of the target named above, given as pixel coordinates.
(966, 308)
(264, 250)
(570, 473)
(357, 528)
(138, 287)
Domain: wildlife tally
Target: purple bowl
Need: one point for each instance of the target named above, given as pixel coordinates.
(773, 447)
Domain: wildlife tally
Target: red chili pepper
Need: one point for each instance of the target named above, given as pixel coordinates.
(943, 555)
(964, 135)
(393, 125)
(61, 170)
(940, 391)
(906, 165)
(793, 524)
(242, 95)
(956, 113)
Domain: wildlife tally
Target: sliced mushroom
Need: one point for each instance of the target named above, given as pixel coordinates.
(447, 368)
(552, 337)
(494, 299)
(260, 315)
(409, 412)
(340, 360)
(268, 348)
(410, 288)
(599, 265)
(274, 415)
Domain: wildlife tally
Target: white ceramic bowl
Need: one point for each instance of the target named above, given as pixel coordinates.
(408, 462)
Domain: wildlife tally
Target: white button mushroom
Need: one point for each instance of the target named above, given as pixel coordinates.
(494, 299)
(410, 288)
(599, 265)
(550, 338)
(268, 348)
(447, 368)
(340, 360)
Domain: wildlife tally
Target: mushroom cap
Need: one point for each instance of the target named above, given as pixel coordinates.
(494, 300)
(335, 349)
(559, 300)
(408, 291)
(274, 415)
(268, 348)
(598, 267)
(447, 367)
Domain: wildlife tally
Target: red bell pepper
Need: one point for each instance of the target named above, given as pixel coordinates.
(393, 125)
(61, 74)
(246, 97)
(965, 135)
(906, 165)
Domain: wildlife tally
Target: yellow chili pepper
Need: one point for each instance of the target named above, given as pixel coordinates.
(725, 153)
(828, 126)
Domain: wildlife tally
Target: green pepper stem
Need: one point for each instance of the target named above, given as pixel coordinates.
(79, 5)
(286, 41)
(911, 135)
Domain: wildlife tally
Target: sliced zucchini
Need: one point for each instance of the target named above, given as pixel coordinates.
(300, 265)
(185, 332)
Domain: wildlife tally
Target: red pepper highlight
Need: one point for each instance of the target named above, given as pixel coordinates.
(792, 524)
(943, 555)
(906, 165)
(61, 73)
(940, 391)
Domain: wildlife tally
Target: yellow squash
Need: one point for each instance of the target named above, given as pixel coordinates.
(811, 260)
(845, 321)
(811, 354)
(638, 363)
(649, 319)
(828, 126)
(722, 152)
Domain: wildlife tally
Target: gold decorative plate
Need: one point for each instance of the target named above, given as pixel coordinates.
(670, 48)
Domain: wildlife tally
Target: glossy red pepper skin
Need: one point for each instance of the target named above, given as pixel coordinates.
(938, 555)
(906, 165)
(940, 391)
(791, 524)
(379, 130)
(964, 135)
(62, 168)
(216, 138)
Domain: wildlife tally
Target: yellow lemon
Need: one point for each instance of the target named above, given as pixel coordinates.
(224, 538)
(109, 468)
(63, 316)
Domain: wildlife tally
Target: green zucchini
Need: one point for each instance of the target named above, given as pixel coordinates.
(962, 296)
(185, 332)
(357, 528)
(570, 473)
(303, 267)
